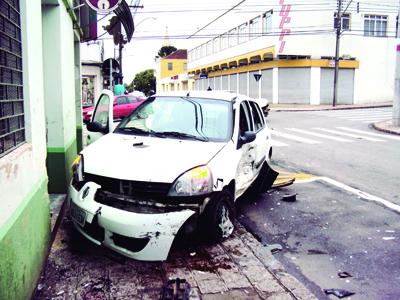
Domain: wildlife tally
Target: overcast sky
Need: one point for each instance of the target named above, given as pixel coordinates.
(183, 18)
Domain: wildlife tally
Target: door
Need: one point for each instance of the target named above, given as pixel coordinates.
(245, 170)
(262, 137)
(102, 118)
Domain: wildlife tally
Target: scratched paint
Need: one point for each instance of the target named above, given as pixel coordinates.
(285, 20)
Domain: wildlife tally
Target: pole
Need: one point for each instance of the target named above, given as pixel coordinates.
(338, 29)
(121, 46)
(111, 84)
(396, 100)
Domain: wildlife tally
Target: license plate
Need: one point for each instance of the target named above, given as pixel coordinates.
(78, 214)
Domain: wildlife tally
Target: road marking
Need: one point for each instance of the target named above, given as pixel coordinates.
(275, 143)
(357, 192)
(362, 194)
(294, 137)
(349, 134)
(319, 135)
(397, 138)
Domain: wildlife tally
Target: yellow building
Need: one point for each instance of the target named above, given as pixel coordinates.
(172, 73)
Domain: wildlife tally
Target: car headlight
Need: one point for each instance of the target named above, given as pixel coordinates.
(77, 169)
(196, 181)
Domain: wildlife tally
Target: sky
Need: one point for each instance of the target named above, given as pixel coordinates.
(180, 19)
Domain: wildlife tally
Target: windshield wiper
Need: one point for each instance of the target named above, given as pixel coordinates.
(138, 130)
(183, 135)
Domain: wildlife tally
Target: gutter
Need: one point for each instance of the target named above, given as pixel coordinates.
(73, 17)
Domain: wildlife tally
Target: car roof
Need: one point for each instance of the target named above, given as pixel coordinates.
(222, 95)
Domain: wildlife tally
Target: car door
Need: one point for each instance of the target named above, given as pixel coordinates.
(101, 122)
(120, 107)
(262, 135)
(245, 172)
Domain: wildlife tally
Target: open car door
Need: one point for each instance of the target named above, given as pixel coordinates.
(101, 122)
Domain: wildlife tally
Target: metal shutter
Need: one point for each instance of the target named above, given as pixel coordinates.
(233, 82)
(225, 83)
(253, 85)
(243, 83)
(217, 83)
(266, 84)
(294, 85)
(345, 86)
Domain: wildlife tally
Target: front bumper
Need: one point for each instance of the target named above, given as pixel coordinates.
(150, 235)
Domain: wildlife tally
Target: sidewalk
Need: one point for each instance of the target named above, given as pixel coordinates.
(308, 107)
(238, 268)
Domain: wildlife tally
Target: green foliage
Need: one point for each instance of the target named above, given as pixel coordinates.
(144, 81)
(166, 50)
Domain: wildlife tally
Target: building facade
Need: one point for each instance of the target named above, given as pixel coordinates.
(292, 46)
(40, 130)
(171, 73)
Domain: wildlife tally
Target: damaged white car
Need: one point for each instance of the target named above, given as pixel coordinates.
(174, 165)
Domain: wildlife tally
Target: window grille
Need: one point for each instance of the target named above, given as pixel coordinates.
(12, 123)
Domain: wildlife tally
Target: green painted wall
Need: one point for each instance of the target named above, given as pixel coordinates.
(23, 245)
(58, 163)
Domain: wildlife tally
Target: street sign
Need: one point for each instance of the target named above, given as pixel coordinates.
(257, 76)
(203, 76)
(103, 6)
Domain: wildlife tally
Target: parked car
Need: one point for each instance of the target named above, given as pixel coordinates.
(176, 164)
(123, 106)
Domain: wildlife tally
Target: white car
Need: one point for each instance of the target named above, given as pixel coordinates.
(176, 164)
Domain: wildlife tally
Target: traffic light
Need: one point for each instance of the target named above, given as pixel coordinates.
(114, 29)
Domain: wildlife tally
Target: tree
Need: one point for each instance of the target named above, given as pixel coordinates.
(144, 81)
(166, 50)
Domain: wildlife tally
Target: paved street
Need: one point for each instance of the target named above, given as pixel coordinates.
(346, 217)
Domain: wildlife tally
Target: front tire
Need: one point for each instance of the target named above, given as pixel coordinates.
(218, 217)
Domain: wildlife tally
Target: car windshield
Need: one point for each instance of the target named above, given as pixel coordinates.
(181, 117)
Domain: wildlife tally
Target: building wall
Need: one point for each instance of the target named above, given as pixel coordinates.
(177, 67)
(312, 35)
(24, 211)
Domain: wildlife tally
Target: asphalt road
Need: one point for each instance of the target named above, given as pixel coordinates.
(334, 226)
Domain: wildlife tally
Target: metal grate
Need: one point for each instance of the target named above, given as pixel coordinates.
(12, 123)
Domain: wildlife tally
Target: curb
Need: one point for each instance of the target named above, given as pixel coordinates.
(378, 127)
(327, 108)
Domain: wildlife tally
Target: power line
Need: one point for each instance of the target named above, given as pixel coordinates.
(220, 16)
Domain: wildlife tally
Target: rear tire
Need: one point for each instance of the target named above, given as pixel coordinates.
(218, 217)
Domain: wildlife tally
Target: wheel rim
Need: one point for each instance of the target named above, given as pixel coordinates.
(226, 224)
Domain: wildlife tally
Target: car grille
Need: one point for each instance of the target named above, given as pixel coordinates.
(135, 189)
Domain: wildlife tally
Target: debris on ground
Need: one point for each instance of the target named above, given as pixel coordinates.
(339, 293)
(274, 248)
(289, 198)
(315, 252)
(192, 253)
(388, 238)
(344, 274)
(177, 289)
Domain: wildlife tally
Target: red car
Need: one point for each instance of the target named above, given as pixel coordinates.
(123, 106)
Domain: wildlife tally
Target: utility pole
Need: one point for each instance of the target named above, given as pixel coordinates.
(396, 100)
(338, 32)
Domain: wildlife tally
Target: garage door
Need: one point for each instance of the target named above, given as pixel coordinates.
(217, 83)
(243, 83)
(233, 82)
(225, 82)
(253, 85)
(197, 85)
(266, 84)
(294, 85)
(345, 86)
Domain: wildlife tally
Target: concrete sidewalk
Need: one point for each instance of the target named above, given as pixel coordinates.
(308, 107)
(238, 268)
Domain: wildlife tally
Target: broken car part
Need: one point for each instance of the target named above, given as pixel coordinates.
(339, 293)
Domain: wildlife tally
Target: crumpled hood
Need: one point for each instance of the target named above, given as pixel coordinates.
(157, 159)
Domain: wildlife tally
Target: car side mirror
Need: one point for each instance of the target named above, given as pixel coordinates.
(247, 137)
(96, 127)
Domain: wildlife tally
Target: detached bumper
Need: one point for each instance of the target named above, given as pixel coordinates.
(136, 235)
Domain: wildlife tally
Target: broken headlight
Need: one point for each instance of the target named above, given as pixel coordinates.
(196, 181)
(77, 169)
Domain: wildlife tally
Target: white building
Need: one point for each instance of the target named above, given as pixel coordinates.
(292, 45)
(92, 77)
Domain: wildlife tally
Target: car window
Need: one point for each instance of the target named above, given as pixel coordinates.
(244, 119)
(122, 100)
(257, 120)
(101, 112)
(209, 119)
(133, 100)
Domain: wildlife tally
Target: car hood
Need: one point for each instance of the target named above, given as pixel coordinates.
(141, 158)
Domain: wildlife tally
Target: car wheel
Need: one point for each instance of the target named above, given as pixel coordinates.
(218, 217)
